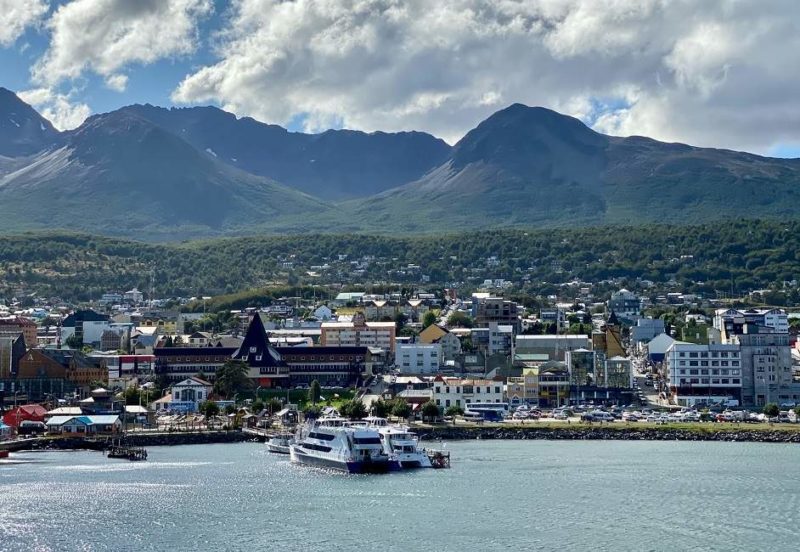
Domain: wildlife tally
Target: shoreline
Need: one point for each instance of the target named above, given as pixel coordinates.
(610, 433)
(430, 433)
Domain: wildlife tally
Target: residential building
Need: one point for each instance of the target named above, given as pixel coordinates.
(449, 342)
(418, 358)
(359, 333)
(493, 340)
(463, 392)
(732, 322)
(625, 304)
(703, 373)
(766, 362)
(553, 315)
(554, 384)
(487, 310)
(133, 296)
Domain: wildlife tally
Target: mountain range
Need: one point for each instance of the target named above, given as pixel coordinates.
(153, 173)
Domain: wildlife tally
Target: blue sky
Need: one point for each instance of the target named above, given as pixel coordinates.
(709, 74)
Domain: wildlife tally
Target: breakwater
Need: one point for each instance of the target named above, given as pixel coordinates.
(611, 433)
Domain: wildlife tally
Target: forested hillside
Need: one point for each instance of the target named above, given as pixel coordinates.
(736, 257)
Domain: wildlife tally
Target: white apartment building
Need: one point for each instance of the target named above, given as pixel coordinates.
(359, 333)
(418, 358)
(458, 392)
(703, 373)
(731, 322)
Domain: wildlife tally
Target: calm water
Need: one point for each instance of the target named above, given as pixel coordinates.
(504, 495)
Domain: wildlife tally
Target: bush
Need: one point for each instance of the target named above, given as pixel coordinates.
(771, 410)
(454, 411)
(381, 408)
(353, 409)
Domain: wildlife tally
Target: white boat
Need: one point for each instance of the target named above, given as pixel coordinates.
(339, 444)
(400, 444)
(280, 443)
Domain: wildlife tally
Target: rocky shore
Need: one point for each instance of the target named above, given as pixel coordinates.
(133, 440)
(610, 433)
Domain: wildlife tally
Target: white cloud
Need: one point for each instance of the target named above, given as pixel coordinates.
(57, 108)
(106, 36)
(17, 15)
(720, 72)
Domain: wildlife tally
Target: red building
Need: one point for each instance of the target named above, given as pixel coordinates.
(32, 412)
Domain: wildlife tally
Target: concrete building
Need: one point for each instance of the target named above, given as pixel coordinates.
(359, 332)
(25, 326)
(766, 368)
(487, 310)
(418, 358)
(703, 373)
(493, 340)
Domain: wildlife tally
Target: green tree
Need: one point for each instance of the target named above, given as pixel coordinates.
(454, 411)
(232, 379)
(274, 405)
(353, 409)
(311, 411)
(257, 406)
(314, 392)
(428, 319)
(230, 409)
(430, 411)
(459, 320)
(772, 410)
(131, 396)
(209, 409)
(401, 408)
(74, 342)
(381, 408)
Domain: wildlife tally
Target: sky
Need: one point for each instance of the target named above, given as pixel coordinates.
(716, 73)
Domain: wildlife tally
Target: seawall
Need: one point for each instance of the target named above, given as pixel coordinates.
(626, 433)
(131, 439)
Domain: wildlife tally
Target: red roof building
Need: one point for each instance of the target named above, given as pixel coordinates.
(32, 412)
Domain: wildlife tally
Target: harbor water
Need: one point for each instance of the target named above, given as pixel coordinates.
(498, 495)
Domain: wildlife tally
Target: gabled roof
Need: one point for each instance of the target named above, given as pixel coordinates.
(255, 348)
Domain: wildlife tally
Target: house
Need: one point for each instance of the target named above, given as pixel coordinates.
(84, 424)
(188, 394)
(625, 304)
(554, 384)
(449, 342)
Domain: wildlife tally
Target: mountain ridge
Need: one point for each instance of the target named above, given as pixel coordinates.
(176, 173)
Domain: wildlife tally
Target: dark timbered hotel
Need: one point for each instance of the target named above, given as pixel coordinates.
(269, 366)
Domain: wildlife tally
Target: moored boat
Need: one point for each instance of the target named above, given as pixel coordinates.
(280, 443)
(338, 444)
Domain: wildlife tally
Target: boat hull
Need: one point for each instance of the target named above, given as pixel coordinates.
(278, 449)
(377, 466)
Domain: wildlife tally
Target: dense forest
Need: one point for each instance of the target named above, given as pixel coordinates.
(735, 257)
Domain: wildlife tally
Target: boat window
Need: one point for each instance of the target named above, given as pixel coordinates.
(312, 446)
(367, 440)
(321, 436)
